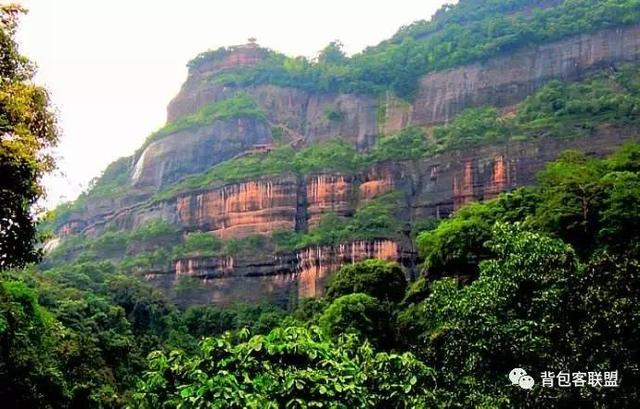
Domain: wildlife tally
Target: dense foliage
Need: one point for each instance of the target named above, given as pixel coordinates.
(362, 315)
(382, 280)
(78, 335)
(533, 306)
(290, 367)
(27, 132)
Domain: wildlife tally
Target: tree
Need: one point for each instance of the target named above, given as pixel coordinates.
(203, 321)
(290, 367)
(360, 314)
(457, 245)
(380, 279)
(144, 306)
(620, 217)
(27, 131)
(332, 54)
(572, 195)
(30, 375)
(476, 334)
(533, 306)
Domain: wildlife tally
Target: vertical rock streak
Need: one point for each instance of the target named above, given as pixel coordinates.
(314, 264)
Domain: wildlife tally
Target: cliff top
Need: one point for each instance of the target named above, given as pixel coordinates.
(243, 55)
(468, 32)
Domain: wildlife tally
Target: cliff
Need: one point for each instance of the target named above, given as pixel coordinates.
(502, 82)
(288, 200)
(241, 209)
(508, 79)
(276, 278)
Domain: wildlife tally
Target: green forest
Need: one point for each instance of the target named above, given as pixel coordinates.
(552, 275)
(544, 277)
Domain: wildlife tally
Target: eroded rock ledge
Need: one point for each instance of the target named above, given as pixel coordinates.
(431, 187)
(277, 278)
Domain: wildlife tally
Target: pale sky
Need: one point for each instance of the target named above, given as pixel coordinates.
(113, 66)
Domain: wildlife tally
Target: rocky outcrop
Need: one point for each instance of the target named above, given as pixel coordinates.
(313, 117)
(501, 81)
(462, 188)
(377, 181)
(432, 187)
(195, 150)
(241, 209)
(277, 278)
(354, 117)
(450, 180)
(71, 227)
(328, 193)
(315, 264)
(501, 176)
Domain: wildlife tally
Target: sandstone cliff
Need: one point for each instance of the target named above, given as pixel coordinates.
(430, 187)
(501, 82)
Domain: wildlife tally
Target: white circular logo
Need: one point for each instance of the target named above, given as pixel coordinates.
(518, 376)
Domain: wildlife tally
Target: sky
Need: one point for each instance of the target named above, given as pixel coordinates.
(112, 66)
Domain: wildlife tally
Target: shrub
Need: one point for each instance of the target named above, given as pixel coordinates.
(408, 144)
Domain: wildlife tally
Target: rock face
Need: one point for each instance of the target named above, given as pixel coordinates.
(196, 150)
(315, 264)
(277, 278)
(241, 209)
(507, 80)
(431, 187)
(501, 82)
(328, 193)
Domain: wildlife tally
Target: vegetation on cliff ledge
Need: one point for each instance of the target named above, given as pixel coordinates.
(559, 110)
(471, 31)
(157, 244)
(240, 105)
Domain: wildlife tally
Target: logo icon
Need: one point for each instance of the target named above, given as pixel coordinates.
(518, 376)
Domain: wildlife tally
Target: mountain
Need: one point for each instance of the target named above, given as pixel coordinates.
(272, 172)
